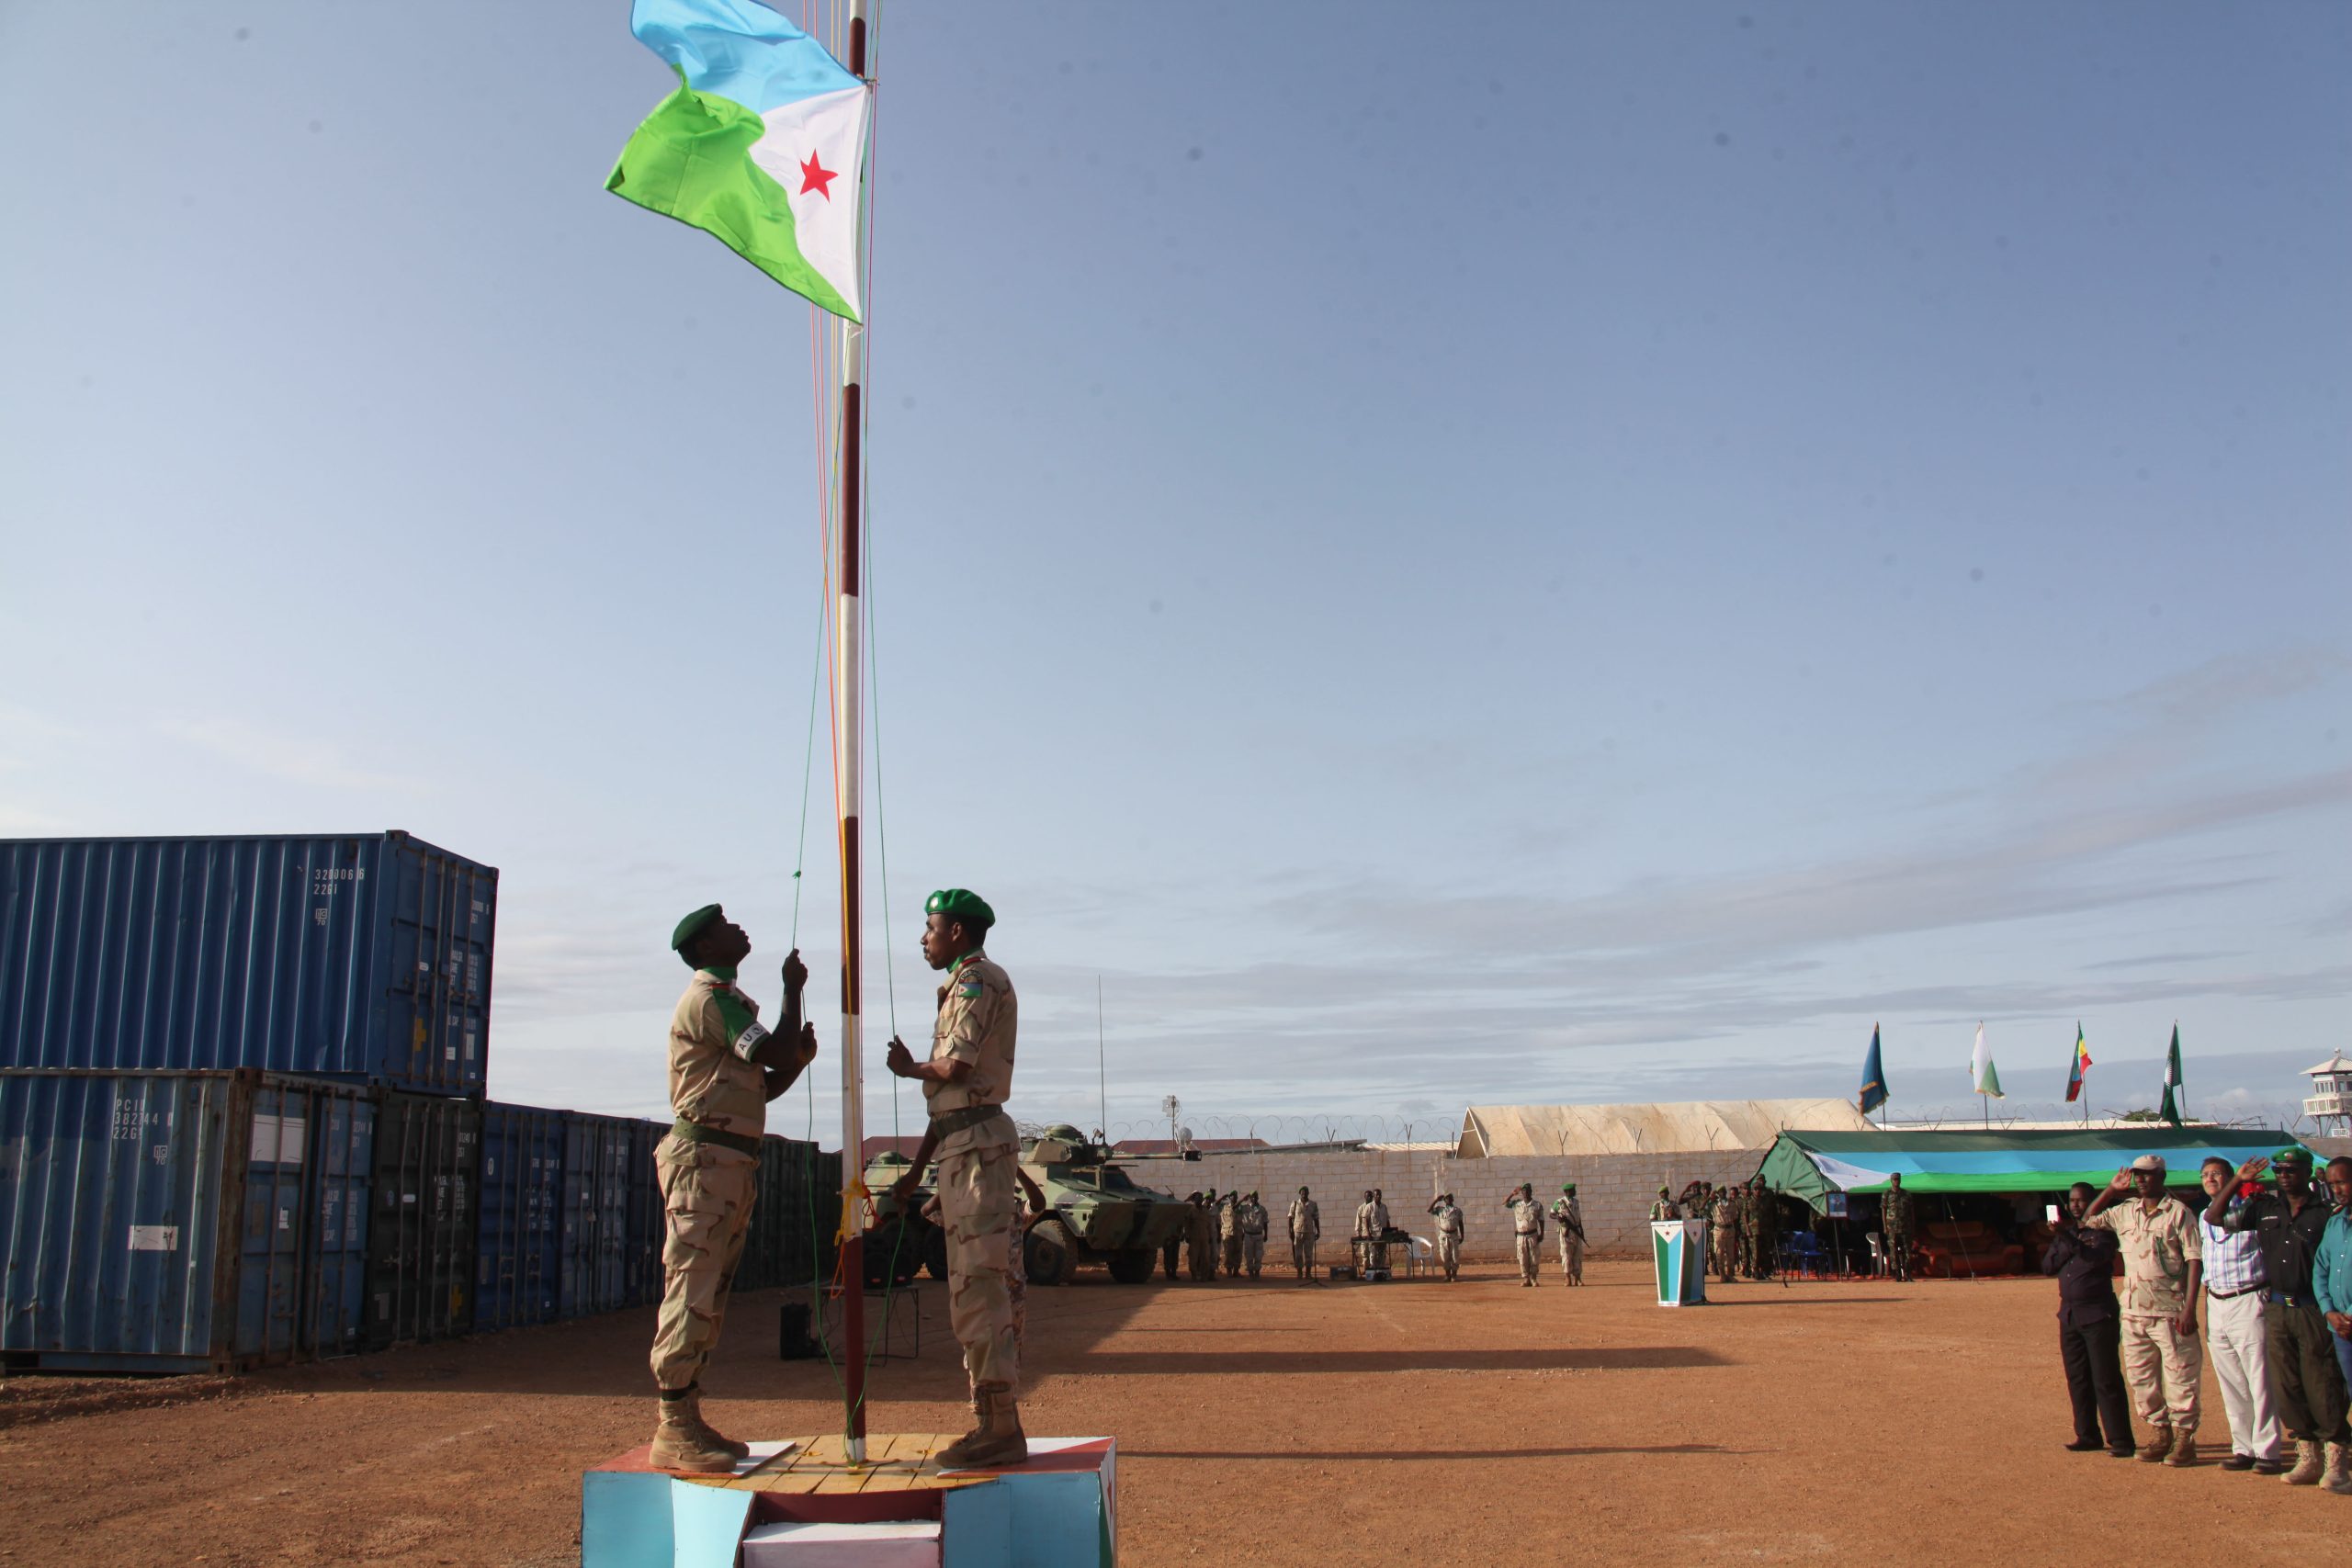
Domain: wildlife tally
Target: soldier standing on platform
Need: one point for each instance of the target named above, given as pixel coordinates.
(1253, 1234)
(724, 1069)
(1449, 1235)
(966, 1082)
(1665, 1208)
(1569, 1216)
(1526, 1229)
(1894, 1224)
(1305, 1230)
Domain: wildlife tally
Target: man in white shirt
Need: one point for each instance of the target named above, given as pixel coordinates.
(2236, 1286)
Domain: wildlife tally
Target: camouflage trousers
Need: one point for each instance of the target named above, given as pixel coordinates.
(976, 1199)
(1529, 1248)
(1449, 1253)
(2161, 1368)
(1571, 1257)
(1254, 1254)
(1302, 1253)
(707, 1195)
(1231, 1248)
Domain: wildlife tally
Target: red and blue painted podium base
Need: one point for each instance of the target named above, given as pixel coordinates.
(803, 1504)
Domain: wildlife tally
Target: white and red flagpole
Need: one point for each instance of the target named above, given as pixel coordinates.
(849, 721)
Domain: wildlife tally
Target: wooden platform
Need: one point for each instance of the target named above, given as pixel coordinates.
(1059, 1506)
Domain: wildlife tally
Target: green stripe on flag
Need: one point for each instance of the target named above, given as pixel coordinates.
(691, 161)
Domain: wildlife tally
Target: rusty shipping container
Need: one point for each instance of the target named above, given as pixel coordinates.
(360, 957)
(180, 1221)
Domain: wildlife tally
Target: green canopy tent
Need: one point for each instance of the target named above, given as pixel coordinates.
(1811, 1165)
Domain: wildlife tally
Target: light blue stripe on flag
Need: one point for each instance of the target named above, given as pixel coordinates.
(737, 49)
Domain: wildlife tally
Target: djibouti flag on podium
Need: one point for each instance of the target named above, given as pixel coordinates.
(763, 145)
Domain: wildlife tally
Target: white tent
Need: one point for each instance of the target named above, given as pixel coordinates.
(1495, 1132)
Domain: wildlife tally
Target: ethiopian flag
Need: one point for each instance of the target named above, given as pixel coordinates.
(2082, 1062)
(763, 144)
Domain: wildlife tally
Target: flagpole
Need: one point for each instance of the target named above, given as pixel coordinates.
(849, 720)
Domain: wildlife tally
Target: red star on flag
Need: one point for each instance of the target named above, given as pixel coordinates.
(815, 176)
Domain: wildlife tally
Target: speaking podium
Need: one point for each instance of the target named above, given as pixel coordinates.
(1678, 1248)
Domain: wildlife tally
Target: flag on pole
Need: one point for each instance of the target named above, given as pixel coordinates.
(2075, 1072)
(2171, 1108)
(1980, 1066)
(1873, 1078)
(763, 144)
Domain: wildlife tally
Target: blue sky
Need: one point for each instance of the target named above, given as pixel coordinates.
(1586, 560)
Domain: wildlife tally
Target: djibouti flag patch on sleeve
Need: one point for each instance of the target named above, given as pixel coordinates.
(763, 145)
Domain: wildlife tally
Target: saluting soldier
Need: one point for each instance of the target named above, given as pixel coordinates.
(1253, 1234)
(1527, 1230)
(724, 1069)
(1448, 1214)
(1569, 1216)
(965, 1083)
(1229, 1232)
(1305, 1230)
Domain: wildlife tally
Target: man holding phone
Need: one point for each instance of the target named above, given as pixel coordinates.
(2089, 1332)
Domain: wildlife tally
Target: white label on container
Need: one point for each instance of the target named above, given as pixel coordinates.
(155, 1238)
(278, 1140)
(286, 1219)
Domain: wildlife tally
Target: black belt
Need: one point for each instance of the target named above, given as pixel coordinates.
(948, 1121)
(2233, 1295)
(695, 1133)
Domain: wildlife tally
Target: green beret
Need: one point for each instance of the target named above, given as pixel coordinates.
(2295, 1156)
(1569, 1188)
(960, 904)
(691, 926)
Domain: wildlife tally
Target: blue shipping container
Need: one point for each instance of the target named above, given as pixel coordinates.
(519, 1261)
(362, 957)
(180, 1221)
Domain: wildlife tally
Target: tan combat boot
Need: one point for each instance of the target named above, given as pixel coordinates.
(679, 1443)
(2158, 1445)
(2339, 1469)
(710, 1434)
(999, 1439)
(2184, 1451)
(2308, 1464)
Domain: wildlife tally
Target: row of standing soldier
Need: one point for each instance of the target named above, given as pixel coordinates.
(1227, 1231)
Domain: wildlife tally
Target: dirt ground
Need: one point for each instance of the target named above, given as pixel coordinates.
(1479, 1422)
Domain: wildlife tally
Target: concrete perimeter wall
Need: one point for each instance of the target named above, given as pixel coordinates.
(1615, 1190)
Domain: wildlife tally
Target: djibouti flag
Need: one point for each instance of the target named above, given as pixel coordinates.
(763, 144)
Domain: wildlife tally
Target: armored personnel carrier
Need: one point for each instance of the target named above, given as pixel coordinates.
(1094, 1213)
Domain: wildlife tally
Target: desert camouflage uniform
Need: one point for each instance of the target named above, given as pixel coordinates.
(1229, 1232)
(1724, 1230)
(1305, 1230)
(1449, 1236)
(1253, 1237)
(2162, 1366)
(1527, 1234)
(706, 1191)
(1569, 1215)
(978, 1017)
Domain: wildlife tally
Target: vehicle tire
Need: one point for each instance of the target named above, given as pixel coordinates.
(1133, 1267)
(1051, 1254)
(935, 1251)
